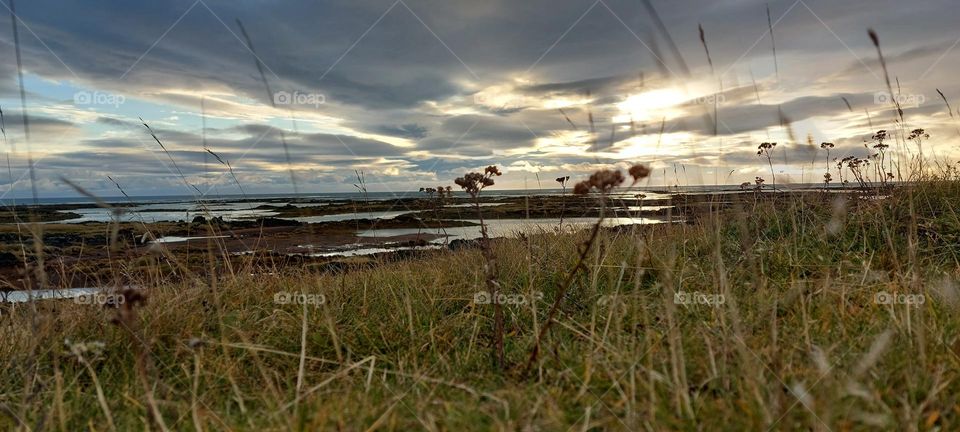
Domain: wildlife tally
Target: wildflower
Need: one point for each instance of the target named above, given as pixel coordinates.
(639, 172)
(603, 181)
(918, 133)
(765, 147)
(826, 145)
(764, 150)
(827, 178)
(474, 182)
(880, 136)
(581, 188)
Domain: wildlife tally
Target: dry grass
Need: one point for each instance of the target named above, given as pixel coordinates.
(799, 340)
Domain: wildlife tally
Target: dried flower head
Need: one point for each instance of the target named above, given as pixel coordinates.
(765, 147)
(880, 136)
(581, 188)
(826, 145)
(603, 181)
(918, 134)
(474, 182)
(639, 172)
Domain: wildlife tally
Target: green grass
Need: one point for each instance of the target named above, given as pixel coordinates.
(799, 342)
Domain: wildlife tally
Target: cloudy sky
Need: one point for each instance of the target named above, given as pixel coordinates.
(417, 92)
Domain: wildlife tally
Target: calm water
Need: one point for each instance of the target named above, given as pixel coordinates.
(236, 207)
(651, 192)
(351, 216)
(510, 227)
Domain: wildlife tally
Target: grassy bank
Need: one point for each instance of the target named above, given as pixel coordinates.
(770, 314)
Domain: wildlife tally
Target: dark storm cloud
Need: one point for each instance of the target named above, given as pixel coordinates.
(260, 145)
(399, 62)
(581, 86)
(397, 68)
(15, 119)
(410, 130)
(756, 117)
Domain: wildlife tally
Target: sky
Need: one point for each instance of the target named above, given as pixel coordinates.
(415, 93)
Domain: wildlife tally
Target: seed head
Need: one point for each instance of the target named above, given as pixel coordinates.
(639, 172)
(603, 181)
(474, 182)
(917, 134)
(492, 170)
(765, 147)
(581, 188)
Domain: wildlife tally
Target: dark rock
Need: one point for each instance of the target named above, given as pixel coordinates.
(459, 244)
(419, 242)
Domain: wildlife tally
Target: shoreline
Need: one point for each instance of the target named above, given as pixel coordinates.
(86, 248)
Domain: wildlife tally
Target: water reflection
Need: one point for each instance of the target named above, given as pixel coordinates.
(509, 227)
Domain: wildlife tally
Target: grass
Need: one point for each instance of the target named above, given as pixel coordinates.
(799, 341)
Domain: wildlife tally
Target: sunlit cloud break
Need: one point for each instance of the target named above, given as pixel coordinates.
(413, 94)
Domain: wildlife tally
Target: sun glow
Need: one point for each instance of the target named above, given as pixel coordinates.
(654, 146)
(654, 104)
